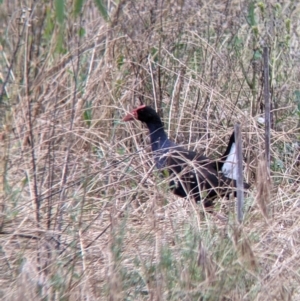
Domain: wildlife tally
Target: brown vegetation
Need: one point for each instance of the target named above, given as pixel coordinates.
(84, 214)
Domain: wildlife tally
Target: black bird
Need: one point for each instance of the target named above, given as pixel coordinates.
(190, 173)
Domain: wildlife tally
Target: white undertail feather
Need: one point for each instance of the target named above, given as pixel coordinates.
(229, 167)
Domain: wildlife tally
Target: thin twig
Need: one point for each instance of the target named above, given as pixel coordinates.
(239, 181)
(267, 106)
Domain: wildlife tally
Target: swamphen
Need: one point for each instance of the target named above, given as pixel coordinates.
(190, 173)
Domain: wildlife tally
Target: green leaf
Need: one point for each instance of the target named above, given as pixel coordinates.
(60, 10)
(102, 9)
(120, 61)
(262, 7)
(165, 172)
(87, 115)
(255, 30)
(78, 7)
(81, 32)
(49, 24)
(257, 55)
(288, 25)
(60, 42)
(251, 14)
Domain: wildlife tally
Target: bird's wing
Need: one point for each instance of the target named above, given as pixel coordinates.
(198, 175)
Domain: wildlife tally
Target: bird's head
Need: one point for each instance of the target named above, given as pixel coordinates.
(143, 113)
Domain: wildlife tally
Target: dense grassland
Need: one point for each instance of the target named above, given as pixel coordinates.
(83, 213)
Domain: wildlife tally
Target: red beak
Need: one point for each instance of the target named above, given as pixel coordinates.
(133, 114)
(130, 116)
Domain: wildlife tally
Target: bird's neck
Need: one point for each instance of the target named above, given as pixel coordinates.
(158, 135)
(160, 144)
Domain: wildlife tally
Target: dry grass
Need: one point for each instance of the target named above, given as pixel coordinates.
(84, 215)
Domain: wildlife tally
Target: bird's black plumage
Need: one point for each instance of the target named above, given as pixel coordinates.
(191, 173)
